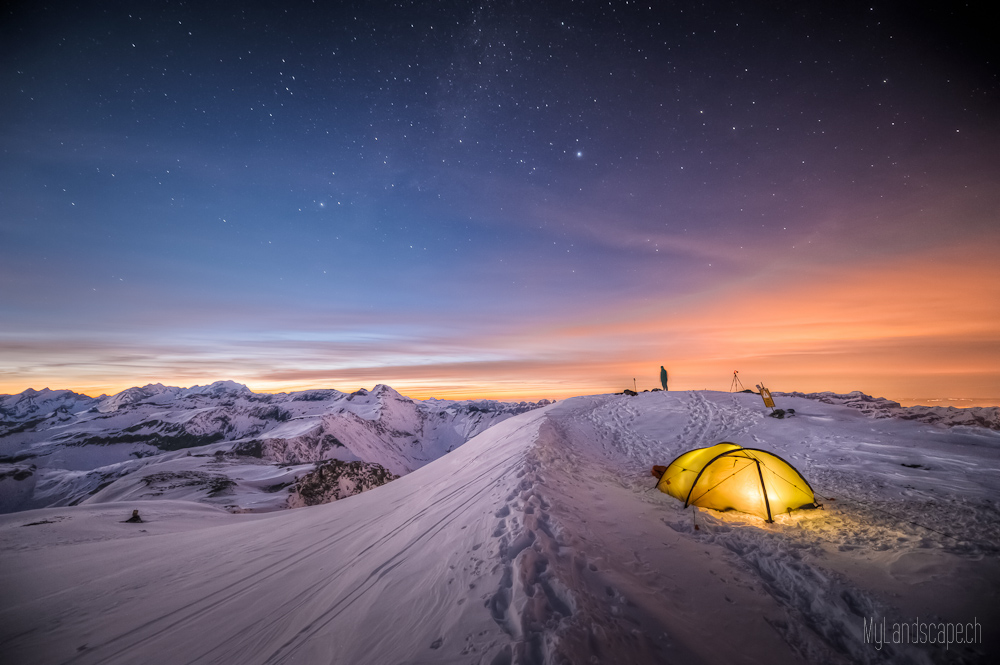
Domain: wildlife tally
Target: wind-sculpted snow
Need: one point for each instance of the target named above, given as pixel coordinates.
(58, 448)
(540, 541)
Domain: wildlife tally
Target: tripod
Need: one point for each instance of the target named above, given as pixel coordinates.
(736, 382)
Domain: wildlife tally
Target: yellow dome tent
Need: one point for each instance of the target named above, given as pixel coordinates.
(730, 477)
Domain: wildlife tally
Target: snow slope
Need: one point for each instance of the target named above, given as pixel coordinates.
(540, 540)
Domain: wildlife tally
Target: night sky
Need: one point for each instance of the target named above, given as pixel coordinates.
(509, 199)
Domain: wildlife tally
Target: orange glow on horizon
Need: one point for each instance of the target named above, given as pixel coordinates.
(924, 326)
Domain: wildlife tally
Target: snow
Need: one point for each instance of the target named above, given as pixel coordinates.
(42, 403)
(879, 407)
(220, 430)
(541, 540)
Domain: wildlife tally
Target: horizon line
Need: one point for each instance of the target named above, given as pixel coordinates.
(508, 396)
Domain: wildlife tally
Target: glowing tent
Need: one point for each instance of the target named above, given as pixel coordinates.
(730, 477)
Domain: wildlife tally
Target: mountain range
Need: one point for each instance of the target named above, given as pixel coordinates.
(223, 443)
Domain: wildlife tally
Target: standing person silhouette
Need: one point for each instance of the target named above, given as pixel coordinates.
(663, 377)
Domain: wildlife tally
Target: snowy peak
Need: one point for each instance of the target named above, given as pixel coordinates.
(220, 388)
(382, 403)
(317, 395)
(395, 411)
(384, 391)
(135, 395)
(41, 403)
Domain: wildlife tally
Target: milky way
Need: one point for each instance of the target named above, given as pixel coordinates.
(516, 198)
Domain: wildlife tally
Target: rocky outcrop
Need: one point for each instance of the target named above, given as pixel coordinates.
(333, 479)
(309, 447)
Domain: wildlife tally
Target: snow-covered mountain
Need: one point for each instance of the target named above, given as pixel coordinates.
(220, 443)
(35, 406)
(540, 541)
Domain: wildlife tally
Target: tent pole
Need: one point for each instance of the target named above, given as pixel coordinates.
(767, 504)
